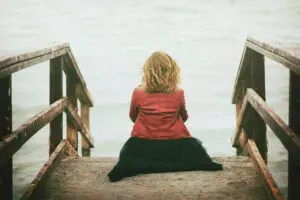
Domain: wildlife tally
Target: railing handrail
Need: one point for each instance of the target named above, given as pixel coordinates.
(253, 113)
(19, 62)
(61, 59)
(279, 55)
(288, 138)
(10, 144)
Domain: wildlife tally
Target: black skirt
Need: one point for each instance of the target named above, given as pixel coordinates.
(143, 156)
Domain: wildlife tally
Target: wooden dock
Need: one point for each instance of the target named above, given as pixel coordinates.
(67, 176)
(85, 178)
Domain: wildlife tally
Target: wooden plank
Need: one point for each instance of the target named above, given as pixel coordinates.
(6, 169)
(272, 189)
(77, 122)
(83, 95)
(13, 142)
(56, 93)
(242, 70)
(288, 138)
(276, 54)
(72, 135)
(238, 106)
(258, 84)
(28, 63)
(242, 150)
(85, 116)
(7, 62)
(276, 50)
(240, 119)
(35, 187)
(294, 119)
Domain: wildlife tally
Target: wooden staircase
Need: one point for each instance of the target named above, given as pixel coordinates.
(67, 176)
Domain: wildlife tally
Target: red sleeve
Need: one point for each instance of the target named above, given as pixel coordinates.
(182, 110)
(133, 112)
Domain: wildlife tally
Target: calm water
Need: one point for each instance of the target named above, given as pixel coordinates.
(111, 40)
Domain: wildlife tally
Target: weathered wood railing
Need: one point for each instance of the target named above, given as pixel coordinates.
(61, 59)
(253, 114)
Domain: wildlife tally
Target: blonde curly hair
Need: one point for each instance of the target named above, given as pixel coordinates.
(161, 74)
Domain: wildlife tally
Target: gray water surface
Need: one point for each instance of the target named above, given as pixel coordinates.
(111, 40)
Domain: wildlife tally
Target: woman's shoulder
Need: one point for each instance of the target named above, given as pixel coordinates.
(179, 90)
(138, 89)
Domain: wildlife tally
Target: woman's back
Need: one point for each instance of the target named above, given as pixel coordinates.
(158, 115)
(160, 142)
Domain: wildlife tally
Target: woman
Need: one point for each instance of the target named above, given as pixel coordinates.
(160, 142)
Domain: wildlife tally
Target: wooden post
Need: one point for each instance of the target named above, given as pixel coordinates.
(294, 119)
(246, 83)
(85, 116)
(239, 103)
(6, 179)
(72, 135)
(56, 92)
(258, 85)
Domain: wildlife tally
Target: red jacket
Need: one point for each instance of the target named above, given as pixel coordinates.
(158, 115)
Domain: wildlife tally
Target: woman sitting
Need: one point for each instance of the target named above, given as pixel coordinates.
(160, 141)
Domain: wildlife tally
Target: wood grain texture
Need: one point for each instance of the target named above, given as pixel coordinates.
(78, 124)
(22, 61)
(259, 129)
(30, 62)
(242, 72)
(73, 70)
(275, 53)
(56, 93)
(288, 138)
(240, 119)
(13, 142)
(271, 187)
(13, 60)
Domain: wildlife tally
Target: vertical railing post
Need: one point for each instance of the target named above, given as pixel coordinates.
(259, 128)
(72, 135)
(239, 102)
(238, 106)
(294, 119)
(85, 116)
(6, 179)
(244, 84)
(56, 92)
